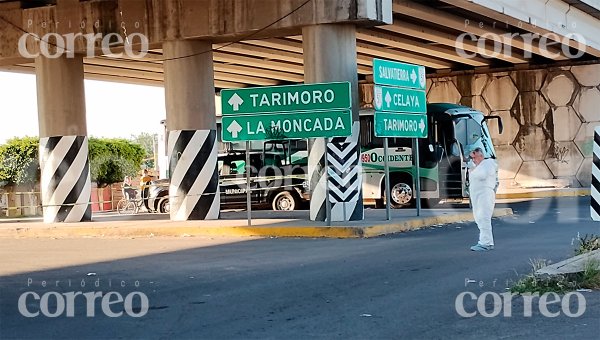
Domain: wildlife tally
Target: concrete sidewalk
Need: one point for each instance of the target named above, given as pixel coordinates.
(573, 265)
(264, 224)
(542, 193)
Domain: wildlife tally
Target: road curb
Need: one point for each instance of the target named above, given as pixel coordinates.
(419, 223)
(545, 194)
(112, 229)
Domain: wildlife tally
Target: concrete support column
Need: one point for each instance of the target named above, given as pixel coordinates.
(330, 55)
(191, 123)
(65, 172)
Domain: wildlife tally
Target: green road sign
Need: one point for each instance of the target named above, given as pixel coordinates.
(287, 125)
(307, 97)
(398, 74)
(397, 99)
(404, 125)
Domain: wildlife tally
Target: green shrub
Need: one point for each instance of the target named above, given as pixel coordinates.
(110, 160)
(19, 163)
(113, 159)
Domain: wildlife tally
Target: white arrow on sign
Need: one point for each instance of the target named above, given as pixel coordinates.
(422, 125)
(388, 98)
(413, 76)
(234, 128)
(235, 101)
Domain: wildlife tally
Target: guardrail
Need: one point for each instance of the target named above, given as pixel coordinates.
(21, 204)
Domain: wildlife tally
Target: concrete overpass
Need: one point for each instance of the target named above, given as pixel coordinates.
(516, 59)
(422, 32)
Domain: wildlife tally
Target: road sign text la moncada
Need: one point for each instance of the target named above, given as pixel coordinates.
(331, 123)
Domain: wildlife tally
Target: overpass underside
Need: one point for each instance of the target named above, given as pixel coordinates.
(516, 59)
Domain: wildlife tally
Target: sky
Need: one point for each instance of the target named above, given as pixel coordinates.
(113, 109)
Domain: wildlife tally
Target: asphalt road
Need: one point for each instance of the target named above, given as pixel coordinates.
(397, 287)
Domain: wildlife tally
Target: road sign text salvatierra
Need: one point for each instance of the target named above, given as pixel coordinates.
(393, 73)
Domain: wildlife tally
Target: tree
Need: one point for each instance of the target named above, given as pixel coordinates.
(147, 141)
(113, 159)
(19, 163)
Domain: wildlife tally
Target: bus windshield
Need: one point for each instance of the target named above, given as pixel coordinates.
(473, 132)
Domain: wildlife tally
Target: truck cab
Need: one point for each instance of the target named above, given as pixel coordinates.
(274, 181)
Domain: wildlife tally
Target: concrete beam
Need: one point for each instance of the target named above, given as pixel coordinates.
(543, 26)
(439, 17)
(447, 39)
(382, 52)
(215, 20)
(386, 39)
(364, 62)
(108, 73)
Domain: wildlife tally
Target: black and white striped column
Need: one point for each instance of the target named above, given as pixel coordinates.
(345, 178)
(194, 189)
(65, 179)
(318, 180)
(595, 206)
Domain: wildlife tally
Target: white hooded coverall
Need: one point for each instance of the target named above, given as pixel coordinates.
(482, 184)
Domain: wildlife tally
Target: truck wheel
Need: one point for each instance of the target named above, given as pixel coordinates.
(284, 201)
(163, 206)
(402, 195)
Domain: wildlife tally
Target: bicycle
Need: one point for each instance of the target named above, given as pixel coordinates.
(129, 206)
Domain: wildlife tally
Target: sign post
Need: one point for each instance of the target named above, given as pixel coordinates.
(400, 111)
(248, 189)
(327, 202)
(417, 174)
(388, 213)
(305, 111)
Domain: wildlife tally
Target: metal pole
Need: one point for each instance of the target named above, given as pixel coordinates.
(417, 174)
(327, 202)
(388, 213)
(248, 189)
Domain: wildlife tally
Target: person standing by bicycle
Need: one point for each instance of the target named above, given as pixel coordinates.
(128, 188)
(145, 187)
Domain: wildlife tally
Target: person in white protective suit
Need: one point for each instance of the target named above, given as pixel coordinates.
(483, 182)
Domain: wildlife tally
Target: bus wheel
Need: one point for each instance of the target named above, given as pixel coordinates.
(402, 195)
(284, 201)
